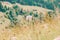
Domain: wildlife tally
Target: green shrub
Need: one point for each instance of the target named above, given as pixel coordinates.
(49, 14)
(31, 13)
(15, 7)
(3, 8)
(52, 14)
(35, 14)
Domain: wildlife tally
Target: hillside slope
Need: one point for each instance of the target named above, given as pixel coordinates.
(48, 29)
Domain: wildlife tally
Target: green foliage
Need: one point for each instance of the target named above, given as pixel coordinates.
(21, 12)
(1, 6)
(15, 6)
(4, 9)
(11, 15)
(35, 14)
(44, 3)
(24, 13)
(12, 1)
(31, 13)
(17, 9)
(52, 14)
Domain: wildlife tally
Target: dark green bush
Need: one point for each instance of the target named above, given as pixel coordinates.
(31, 13)
(35, 14)
(3, 8)
(15, 7)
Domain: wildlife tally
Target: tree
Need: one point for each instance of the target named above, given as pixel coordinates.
(13, 1)
(4, 9)
(1, 6)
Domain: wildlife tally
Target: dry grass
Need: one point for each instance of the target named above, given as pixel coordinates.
(29, 31)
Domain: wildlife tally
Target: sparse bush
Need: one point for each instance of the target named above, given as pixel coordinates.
(12, 16)
(31, 13)
(41, 17)
(21, 12)
(52, 14)
(49, 14)
(35, 14)
(17, 9)
(15, 6)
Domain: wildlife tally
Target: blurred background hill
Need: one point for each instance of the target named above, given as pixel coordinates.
(49, 4)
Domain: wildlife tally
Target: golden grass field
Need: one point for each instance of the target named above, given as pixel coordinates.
(29, 31)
